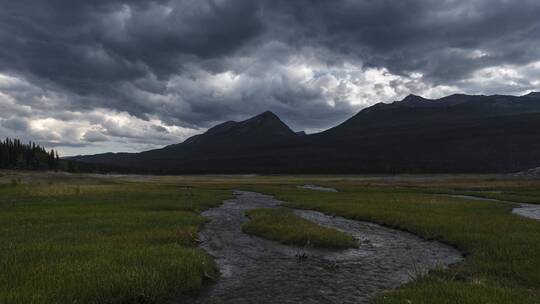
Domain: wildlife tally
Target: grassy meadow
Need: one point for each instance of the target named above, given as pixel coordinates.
(132, 239)
(101, 242)
(284, 226)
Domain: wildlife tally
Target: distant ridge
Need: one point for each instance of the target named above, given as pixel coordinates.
(457, 133)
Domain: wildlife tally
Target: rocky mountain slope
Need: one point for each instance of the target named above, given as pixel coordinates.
(457, 133)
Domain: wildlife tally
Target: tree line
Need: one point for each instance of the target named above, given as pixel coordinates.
(17, 155)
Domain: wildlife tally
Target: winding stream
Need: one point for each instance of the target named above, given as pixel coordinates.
(254, 270)
(528, 210)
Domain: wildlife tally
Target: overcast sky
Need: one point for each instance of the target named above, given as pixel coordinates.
(129, 75)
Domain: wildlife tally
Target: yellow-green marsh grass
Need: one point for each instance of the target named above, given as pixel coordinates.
(284, 226)
(126, 243)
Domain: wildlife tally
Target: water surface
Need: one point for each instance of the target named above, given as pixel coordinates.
(255, 270)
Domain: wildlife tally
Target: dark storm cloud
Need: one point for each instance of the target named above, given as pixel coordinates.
(88, 46)
(192, 63)
(15, 124)
(434, 37)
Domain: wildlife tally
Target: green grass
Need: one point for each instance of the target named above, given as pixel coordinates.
(531, 196)
(87, 239)
(110, 243)
(284, 226)
(502, 261)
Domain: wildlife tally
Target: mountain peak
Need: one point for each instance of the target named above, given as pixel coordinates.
(533, 94)
(266, 115)
(262, 128)
(411, 98)
(267, 122)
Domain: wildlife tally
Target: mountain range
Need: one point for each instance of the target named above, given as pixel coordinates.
(455, 134)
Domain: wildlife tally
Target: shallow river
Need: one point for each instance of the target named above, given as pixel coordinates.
(254, 270)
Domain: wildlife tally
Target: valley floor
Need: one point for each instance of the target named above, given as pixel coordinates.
(134, 239)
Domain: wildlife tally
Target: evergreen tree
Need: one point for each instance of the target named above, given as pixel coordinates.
(31, 156)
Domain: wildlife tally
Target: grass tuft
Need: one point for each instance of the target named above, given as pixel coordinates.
(284, 226)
